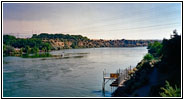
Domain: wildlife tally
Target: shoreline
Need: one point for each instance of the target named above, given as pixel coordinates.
(158, 74)
(42, 52)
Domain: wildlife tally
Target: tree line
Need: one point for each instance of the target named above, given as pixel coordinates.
(60, 36)
(45, 42)
(30, 45)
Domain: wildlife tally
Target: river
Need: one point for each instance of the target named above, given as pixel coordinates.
(77, 74)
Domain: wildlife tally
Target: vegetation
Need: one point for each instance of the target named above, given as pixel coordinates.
(163, 62)
(169, 91)
(61, 41)
(59, 36)
(45, 42)
(7, 49)
(170, 63)
(155, 48)
(12, 45)
(148, 57)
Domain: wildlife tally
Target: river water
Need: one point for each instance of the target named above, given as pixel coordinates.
(77, 74)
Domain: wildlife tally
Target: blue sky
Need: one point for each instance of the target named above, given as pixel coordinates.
(94, 20)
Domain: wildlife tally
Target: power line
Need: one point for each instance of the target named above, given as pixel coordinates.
(137, 12)
(130, 28)
(137, 19)
(133, 21)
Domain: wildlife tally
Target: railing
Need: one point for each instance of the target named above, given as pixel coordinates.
(120, 76)
(123, 75)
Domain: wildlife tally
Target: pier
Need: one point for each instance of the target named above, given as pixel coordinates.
(118, 78)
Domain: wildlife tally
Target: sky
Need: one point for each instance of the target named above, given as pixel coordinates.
(94, 20)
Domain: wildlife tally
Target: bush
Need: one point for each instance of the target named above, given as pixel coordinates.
(148, 57)
(155, 48)
(7, 50)
(169, 91)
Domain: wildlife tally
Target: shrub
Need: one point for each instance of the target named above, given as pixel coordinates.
(134, 69)
(155, 48)
(7, 50)
(169, 91)
(148, 57)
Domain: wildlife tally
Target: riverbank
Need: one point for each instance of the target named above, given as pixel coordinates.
(140, 82)
(157, 75)
(45, 42)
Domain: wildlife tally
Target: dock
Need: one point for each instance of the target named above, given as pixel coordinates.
(118, 78)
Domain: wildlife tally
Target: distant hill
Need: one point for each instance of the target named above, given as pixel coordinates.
(45, 42)
(61, 41)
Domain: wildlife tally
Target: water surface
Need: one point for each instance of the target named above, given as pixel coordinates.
(77, 74)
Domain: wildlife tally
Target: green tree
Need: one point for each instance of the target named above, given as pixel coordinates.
(74, 45)
(171, 59)
(35, 50)
(43, 50)
(4, 47)
(8, 39)
(28, 50)
(34, 36)
(169, 91)
(148, 57)
(155, 48)
(21, 50)
(7, 50)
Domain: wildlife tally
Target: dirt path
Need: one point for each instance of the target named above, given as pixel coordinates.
(145, 90)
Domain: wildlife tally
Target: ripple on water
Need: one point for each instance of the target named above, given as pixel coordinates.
(71, 77)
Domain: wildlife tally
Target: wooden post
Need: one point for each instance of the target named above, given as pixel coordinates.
(103, 84)
(126, 72)
(130, 74)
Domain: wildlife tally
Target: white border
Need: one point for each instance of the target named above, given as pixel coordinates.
(93, 1)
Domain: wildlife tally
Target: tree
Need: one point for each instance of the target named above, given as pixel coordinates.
(7, 50)
(155, 48)
(148, 57)
(35, 50)
(43, 49)
(171, 59)
(21, 50)
(4, 48)
(175, 32)
(28, 50)
(34, 36)
(169, 91)
(8, 39)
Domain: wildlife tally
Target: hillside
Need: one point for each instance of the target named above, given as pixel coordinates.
(61, 41)
(45, 42)
(158, 74)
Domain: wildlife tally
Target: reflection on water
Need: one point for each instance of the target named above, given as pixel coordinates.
(77, 74)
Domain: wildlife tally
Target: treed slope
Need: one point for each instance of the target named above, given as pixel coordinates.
(152, 74)
(61, 41)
